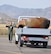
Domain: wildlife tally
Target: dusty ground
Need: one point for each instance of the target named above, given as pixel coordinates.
(10, 48)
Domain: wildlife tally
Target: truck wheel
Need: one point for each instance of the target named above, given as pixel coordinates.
(45, 45)
(16, 42)
(21, 43)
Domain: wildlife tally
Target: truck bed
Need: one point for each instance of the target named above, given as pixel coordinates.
(33, 31)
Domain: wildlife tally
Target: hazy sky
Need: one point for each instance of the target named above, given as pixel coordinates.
(27, 3)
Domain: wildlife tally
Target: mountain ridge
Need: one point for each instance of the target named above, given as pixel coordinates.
(14, 12)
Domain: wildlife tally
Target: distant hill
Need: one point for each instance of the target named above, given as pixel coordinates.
(11, 13)
(5, 19)
(14, 12)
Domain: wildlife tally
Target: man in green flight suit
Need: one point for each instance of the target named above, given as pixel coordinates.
(10, 32)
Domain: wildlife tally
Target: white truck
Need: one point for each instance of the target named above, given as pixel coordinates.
(35, 36)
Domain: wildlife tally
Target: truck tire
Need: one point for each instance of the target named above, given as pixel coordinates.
(21, 43)
(16, 42)
(45, 45)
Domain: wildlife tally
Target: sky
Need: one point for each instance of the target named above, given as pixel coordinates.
(27, 3)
